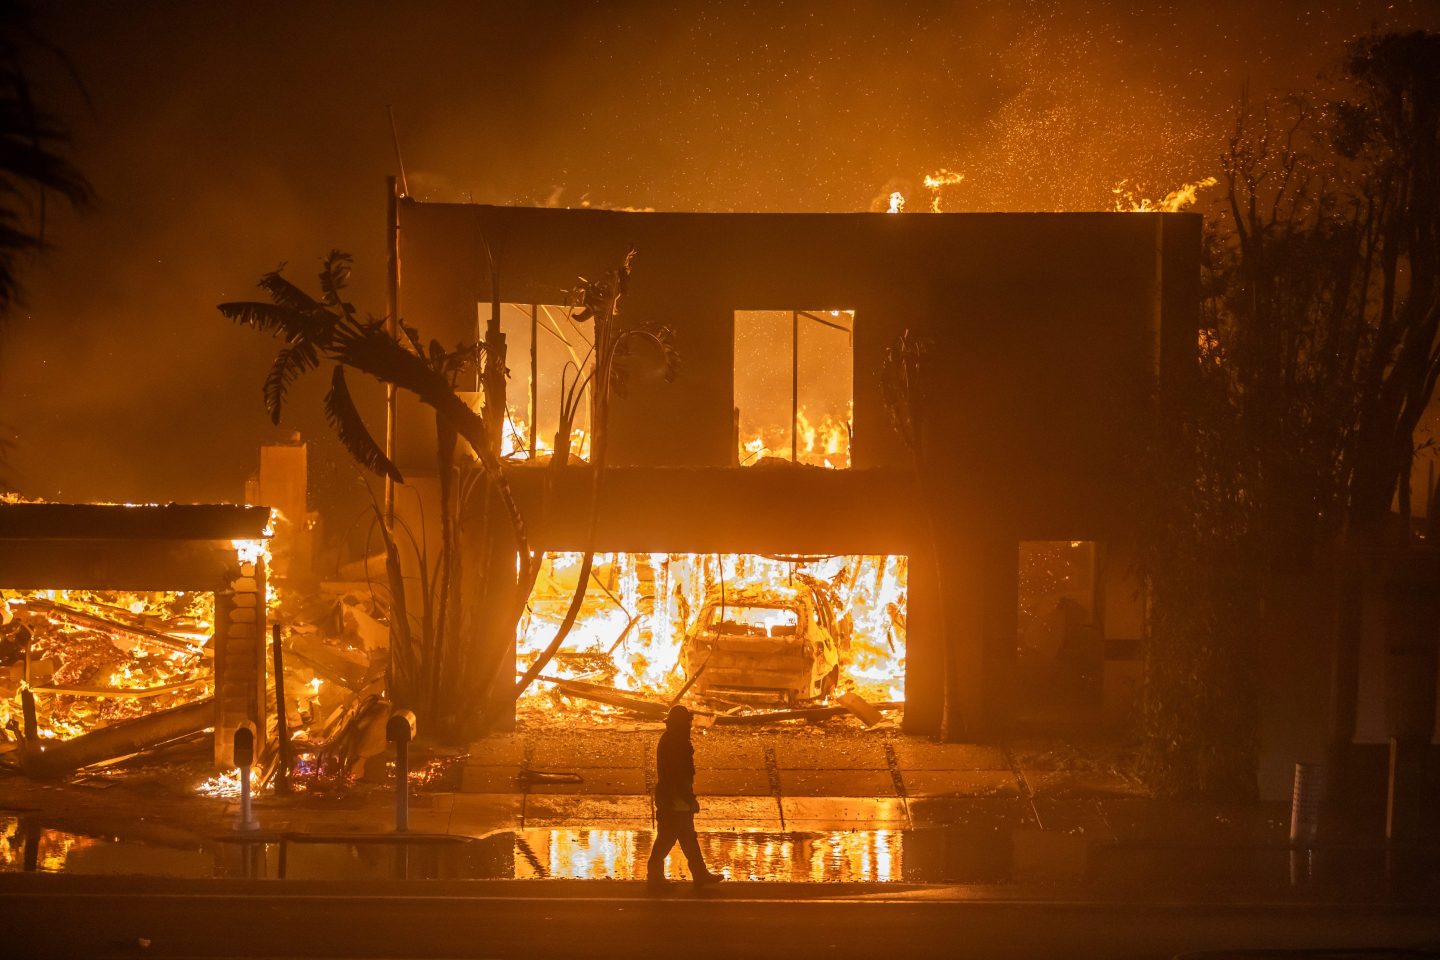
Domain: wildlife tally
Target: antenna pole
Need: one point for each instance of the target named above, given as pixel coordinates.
(392, 244)
(399, 160)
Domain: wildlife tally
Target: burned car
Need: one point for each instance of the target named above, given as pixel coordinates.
(767, 643)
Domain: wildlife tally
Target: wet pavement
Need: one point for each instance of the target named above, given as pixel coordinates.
(1024, 861)
(801, 810)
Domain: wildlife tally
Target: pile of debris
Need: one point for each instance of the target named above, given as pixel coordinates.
(76, 663)
(623, 705)
(99, 682)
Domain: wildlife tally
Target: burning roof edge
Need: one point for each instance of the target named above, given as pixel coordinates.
(601, 214)
(124, 521)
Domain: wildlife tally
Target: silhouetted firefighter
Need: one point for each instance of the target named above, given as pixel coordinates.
(675, 803)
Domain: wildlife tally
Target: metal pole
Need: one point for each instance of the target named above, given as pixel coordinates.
(534, 378)
(494, 382)
(247, 820)
(402, 785)
(244, 754)
(794, 386)
(30, 725)
(392, 243)
(1305, 803)
(282, 732)
(400, 730)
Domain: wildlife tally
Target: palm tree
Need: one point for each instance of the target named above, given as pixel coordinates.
(435, 672)
(31, 164)
(329, 330)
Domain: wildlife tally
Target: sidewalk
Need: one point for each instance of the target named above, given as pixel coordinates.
(792, 780)
(794, 807)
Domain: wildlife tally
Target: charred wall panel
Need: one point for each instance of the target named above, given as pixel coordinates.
(763, 510)
(1046, 328)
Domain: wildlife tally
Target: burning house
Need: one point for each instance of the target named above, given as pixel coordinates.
(760, 517)
(129, 626)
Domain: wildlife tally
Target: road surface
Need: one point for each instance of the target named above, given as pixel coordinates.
(115, 917)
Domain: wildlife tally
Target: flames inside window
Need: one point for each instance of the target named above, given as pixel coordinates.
(794, 386)
(544, 351)
(738, 633)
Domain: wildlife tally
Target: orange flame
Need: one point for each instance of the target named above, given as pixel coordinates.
(1127, 201)
(937, 181)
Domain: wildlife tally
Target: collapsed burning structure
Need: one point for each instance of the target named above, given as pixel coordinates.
(766, 542)
(746, 505)
(137, 625)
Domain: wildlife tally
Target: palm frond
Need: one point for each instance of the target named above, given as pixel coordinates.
(35, 165)
(370, 348)
(283, 293)
(334, 276)
(268, 317)
(290, 363)
(412, 336)
(349, 426)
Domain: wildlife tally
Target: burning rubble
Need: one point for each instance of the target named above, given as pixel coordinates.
(784, 635)
(97, 657)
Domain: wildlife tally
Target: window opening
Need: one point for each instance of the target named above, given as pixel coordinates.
(542, 343)
(794, 386)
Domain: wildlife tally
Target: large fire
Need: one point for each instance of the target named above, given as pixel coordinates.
(515, 442)
(1127, 200)
(823, 441)
(96, 657)
(632, 633)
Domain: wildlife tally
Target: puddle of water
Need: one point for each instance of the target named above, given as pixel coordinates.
(934, 855)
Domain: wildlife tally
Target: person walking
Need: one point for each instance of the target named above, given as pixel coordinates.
(675, 803)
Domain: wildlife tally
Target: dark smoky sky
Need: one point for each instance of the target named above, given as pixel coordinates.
(225, 137)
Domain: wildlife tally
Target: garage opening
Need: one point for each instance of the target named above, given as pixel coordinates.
(732, 635)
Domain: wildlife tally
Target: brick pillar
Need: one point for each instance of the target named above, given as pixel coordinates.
(239, 657)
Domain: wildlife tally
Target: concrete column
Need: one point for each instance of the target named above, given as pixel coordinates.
(284, 485)
(924, 648)
(981, 591)
(239, 647)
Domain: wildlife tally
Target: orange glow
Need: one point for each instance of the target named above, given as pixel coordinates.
(823, 443)
(937, 181)
(843, 856)
(1127, 201)
(73, 648)
(633, 624)
(515, 442)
